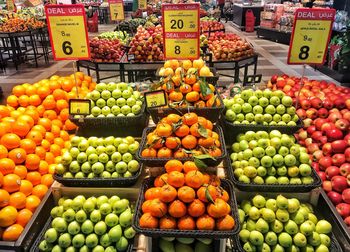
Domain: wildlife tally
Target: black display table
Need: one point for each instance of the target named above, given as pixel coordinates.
(239, 11)
(274, 35)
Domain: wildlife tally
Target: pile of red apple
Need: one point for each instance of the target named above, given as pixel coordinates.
(106, 50)
(325, 110)
(147, 44)
(211, 25)
(228, 46)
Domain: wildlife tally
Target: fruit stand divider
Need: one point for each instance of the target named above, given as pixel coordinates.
(340, 240)
(57, 191)
(19, 45)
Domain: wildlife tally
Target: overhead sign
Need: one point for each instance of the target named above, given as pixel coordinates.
(142, 4)
(68, 32)
(311, 33)
(181, 31)
(116, 8)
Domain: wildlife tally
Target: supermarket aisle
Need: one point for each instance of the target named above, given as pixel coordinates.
(272, 60)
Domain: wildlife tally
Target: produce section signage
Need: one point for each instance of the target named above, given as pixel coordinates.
(155, 99)
(79, 107)
(68, 33)
(116, 8)
(181, 31)
(311, 33)
(142, 4)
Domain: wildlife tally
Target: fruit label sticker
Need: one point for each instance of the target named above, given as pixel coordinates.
(181, 31)
(155, 99)
(116, 8)
(10, 5)
(68, 33)
(142, 4)
(79, 107)
(311, 33)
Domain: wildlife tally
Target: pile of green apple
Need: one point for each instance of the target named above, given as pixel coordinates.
(270, 158)
(109, 157)
(93, 224)
(114, 99)
(261, 107)
(172, 244)
(282, 224)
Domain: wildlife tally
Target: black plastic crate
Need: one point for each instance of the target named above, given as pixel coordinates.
(148, 183)
(157, 162)
(155, 245)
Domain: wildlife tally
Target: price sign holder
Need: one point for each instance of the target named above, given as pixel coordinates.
(142, 4)
(249, 79)
(181, 31)
(10, 5)
(310, 37)
(155, 99)
(116, 8)
(67, 26)
(79, 107)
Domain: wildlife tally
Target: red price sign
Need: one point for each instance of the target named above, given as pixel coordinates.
(181, 30)
(311, 33)
(67, 27)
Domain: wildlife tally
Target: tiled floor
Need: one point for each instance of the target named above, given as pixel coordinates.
(272, 60)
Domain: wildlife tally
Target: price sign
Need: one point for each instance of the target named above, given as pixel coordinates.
(116, 8)
(79, 107)
(181, 31)
(67, 27)
(53, 2)
(10, 5)
(142, 4)
(311, 33)
(155, 99)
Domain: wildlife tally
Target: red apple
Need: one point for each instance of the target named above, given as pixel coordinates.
(302, 134)
(347, 221)
(335, 197)
(311, 129)
(335, 116)
(343, 209)
(346, 195)
(301, 113)
(334, 134)
(312, 148)
(327, 185)
(339, 183)
(316, 166)
(318, 154)
(327, 149)
(327, 126)
(316, 102)
(323, 140)
(339, 146)
(311, 113)
(325, 162)
(342, 124)
(328, 104)
(332, 171)
(322, 113)
(338, 159)
(345, 169)
(347, 154)
(305, 104)
(322, 175)
(307, 122)
(319, 122)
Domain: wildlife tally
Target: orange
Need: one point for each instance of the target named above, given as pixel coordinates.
(176, 179)
(4, 198)
(23, 100)
(164, 130)
(34, 177)
(148, 221)
(50, 114)
(12, 101)
(57, 122)
(64, 114)
(4, 111)
(164, 152)
(175, 96)
(18, 90)
(173, 165)
(182, 131)
(26, 187)
(205, 222)
(7, 166)
(5, 127)
(18, 155)
(45, 144)
(158, 208)
(54, 84)
(49, 158)
(8, 216)
(168, 193)
(52, 168)
(189, 142)
(18, 200)
(43, 92)
(47, 180)
(56, 132)
(10, 141)
(40, 191)
(35, 135)
(172, 142)
(167, 222)
(32, 161)
(190, 166)
(3, 151)
(149, 152)
(32, 203)
(194, 179)
(190, 118)
(69, 125)
(28, 145)
(40, 129)
(11, 183)
(192, 96)
(23, 217)
(46, 123)
(177, 209)
(225, 223)
(12, 233)
(186, 223)
(1, 179)
(40, 151)
(152, 193)
(64, 135)
(21, 171)
(185, 88)
(196, 208)
(34, 100)
(186, 194)
(26, 118)
(20, 128)
(30, 90)
(219, 209)
(59, 94)
(43, 167)
(49, 136)
(55, 150)
(49, 103)
(40, 109)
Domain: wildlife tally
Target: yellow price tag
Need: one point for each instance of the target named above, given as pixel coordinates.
(116, 9)
(10, 5)
(310, 37)
(53, 1)
(65, 22)
(155, 99)
(142, 4)
(180, 21)
(79, 107)
(182, 48)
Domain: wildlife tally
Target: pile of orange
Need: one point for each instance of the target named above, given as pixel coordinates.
(183, 84)
(185, 198)
(182, 136)
(33, 134)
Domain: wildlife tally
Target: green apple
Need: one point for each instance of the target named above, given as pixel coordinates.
(244, 235)
(51, 235)
(101, 103)
(91, 241)
(259, 201)
(65, 240)
(125, 218)
(285, 240)
(271, 238)
(256, 238)
(105, 110)
(78, 241)
(115, 233)
(100, 228)
(80, 216)
(323, 227)
(307, 228)
(262, 226)
(116, 93)
(87, 227)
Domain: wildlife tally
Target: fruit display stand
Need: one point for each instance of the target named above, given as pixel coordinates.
(282, 37)
(19, 47)
(318, 200)
(32, 229)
